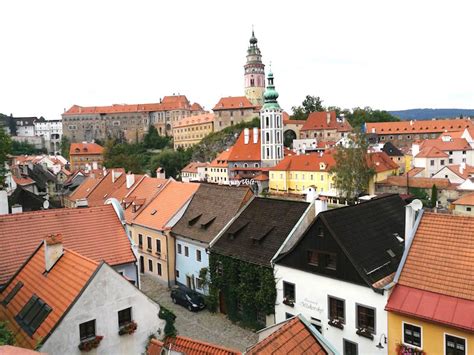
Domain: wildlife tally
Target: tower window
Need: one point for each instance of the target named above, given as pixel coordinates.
(252, 82)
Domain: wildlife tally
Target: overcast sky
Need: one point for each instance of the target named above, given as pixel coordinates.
(383, 54)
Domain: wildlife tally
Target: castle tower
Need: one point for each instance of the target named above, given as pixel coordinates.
(254, 73)
(271, 126)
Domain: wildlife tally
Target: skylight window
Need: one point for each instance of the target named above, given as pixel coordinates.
(153, 212)
(400, 239)
(391, 253)
(12, 293)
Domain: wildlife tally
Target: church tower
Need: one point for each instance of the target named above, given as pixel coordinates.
(271, 126)
(254, 73)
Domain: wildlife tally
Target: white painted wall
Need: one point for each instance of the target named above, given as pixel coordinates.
(107, 294)
(446, 173)
(188, 265)
(311, 293)
(129, 270)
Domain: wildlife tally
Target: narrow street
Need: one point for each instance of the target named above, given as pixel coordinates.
(206, 326)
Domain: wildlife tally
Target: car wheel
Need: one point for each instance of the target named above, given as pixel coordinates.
(174, 300)
(190, 308)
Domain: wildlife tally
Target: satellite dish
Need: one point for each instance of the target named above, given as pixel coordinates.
(46, 204)
(416, 205)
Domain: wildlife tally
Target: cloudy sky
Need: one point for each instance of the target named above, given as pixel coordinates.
(383, 54)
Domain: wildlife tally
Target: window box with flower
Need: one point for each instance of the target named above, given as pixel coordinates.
(336, 322)
(365, 332)
(89, 344)
(403, 349)
(289, 302)
(128, 328)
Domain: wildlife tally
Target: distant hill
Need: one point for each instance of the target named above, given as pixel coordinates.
(430, 113)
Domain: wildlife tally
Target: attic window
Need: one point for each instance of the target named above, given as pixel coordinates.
(206, 224)
(12, 293)
(400, 239)
(259, 237)
(153, 212)
(32, 314)
(236, 229)
(193, 220)
(391, 253)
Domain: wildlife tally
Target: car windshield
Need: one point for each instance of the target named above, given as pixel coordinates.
(195, 298)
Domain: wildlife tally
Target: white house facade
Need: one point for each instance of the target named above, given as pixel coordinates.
(191, 257)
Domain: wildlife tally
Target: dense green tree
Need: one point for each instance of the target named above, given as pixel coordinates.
(309, 104)
(131, 157)
(24, 148)
(171, 160)
(6, 336)
(5, 149)
(434, 196)
(64, 146)
(351, 172)
(359, 116)
(153, 140)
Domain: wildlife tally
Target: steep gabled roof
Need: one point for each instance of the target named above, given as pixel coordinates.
(85, 149)
(260, 230)
(391, 150)
(211, 208)
(466, 200)
(445, 144)
(306, 162)
(165, 205)
(431, 152)
(95, 232)
(84, 189)
(221, 159)
(233, 103)
(294, 337)
(58, 288)
(246, 152)
(319, 121)
(380, 162)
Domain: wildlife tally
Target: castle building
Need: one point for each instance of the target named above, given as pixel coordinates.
(271, 127)
(254, 73)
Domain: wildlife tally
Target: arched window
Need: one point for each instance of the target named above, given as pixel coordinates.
(267, 137)
(267, 122)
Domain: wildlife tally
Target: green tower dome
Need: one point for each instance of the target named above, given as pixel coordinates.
(253, 39)
(270, 95)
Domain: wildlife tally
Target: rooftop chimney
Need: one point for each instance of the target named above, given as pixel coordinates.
(17, 209)
(462, 166)
(328, 117)
(160, 173)
(310, 195)
(411, 122)
(130, 180)
(246, 136)
(321, 205)
(3, 202)
(255, 135)
(410, 218)
(53, 249)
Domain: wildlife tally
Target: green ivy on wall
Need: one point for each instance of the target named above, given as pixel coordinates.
(248, 290)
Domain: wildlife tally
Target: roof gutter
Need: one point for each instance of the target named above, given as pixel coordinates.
(407, 249)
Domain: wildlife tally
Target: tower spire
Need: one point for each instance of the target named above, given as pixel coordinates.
(254, 73)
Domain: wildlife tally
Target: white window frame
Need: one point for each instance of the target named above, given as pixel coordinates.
(403, 335)
(456, 336)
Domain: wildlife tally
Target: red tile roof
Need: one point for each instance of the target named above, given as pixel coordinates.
(85, 149)
(188, 346)
(445, 145)
(292, 338)
(466, 200)
(306, 162)
(467, 171)
(441, 256)
(380, 162)
(96, 233)
(233, 103)
(193, 167)
(319, 121)
(420, 182)
(106, 187)
(221, 159)
(84, 189)
(414, 171)
(196, 107)
(23, 181)
(58, 289)
(195, 120)
(246, 152)
(433, 126)
(431, 152)
(434, 307)
(171, 198)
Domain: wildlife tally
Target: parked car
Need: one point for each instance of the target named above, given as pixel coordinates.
(187, 298)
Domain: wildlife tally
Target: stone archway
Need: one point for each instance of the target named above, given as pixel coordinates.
(288, 136)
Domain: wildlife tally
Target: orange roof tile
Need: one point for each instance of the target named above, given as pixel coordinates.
(415, 171)
(233, 103)
(106, 187)
(419, 182)
(171, 198)
(292, 338)
(433, 126)
(96, 233)
(441, 256)
(452, 144)
(467, 200)
(84, 189)
(380, 161)
(431, 152)
(23, 181)
(306, 162)
(193, 166)
(196, 107)
(195, 120)
(466, 172)
(246, 152)
(58, 289)
(85, 149)
(319, 121)
(221, 159)
(189, 346)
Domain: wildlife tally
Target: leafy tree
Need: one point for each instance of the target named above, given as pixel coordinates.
(152, 140)
(24, 148)
(6, 336)
(351, 172)
(309, 104)
(131, 157)
(5, 149)
(171, 160)
(434, 196)
(64, 146)
(359, 116)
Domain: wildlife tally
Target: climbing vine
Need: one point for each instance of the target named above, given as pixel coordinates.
(248, 290)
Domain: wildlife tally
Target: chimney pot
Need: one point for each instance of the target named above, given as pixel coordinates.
(53, 249)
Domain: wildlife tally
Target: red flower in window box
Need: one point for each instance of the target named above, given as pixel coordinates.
(289, 302)
(336, 322)
(88, 345)
(408, 350)
(128, 328)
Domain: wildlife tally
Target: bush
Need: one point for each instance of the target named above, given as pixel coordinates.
(169, 317)
(6, 336)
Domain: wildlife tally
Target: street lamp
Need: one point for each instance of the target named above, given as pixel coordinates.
(379, 345)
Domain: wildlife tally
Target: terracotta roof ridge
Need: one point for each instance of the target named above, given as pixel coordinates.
(82, 256)
(51, 211)
(134, 187)
(207, 344)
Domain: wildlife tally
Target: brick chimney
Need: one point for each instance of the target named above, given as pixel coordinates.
(130, 180)
(53, 249)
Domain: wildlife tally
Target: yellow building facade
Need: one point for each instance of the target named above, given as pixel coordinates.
(435, 337)
(190, 130)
